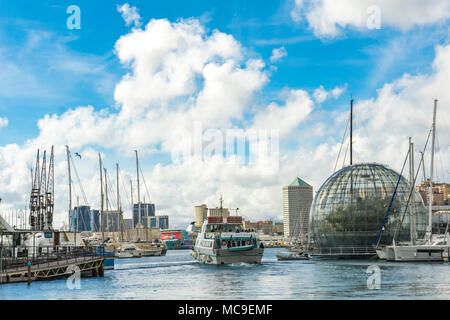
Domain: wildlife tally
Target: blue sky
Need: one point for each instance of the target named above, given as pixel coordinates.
(49, 69)
(259, 26)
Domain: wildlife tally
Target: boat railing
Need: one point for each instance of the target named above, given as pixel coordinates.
(343, 251)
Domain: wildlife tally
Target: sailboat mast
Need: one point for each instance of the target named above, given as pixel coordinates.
(106, 201)
(430, 213)
(138, 188)
(412, 217)
(119, 209)
(101, 197)
(70, 188)
(351, 132)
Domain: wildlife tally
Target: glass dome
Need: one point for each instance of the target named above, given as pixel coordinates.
(350, 206)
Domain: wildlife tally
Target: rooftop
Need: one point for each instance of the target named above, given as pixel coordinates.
(298, 183)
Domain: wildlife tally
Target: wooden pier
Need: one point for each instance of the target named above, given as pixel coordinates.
(54, 269)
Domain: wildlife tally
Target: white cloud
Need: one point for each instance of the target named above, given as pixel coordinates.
(285, 118)
(130, 15)
(3, 122)
(320, 94)
(278, 54)
(180, 74)
(328, 17)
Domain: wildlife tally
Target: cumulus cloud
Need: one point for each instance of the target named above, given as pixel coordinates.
(130, 15)
(285, 118)
(278, 54)
(328, 17)
(320, 94)
(179, 74)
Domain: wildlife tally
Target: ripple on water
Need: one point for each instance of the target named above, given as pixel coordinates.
(178, 276)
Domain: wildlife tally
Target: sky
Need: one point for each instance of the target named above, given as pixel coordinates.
(231, 98)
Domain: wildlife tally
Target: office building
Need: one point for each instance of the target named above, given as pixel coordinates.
(147, 210)
(297, 199)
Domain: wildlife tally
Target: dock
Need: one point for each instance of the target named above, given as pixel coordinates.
(51, 266)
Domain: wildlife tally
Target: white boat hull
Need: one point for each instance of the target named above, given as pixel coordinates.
(421, 253)
(224, 256)
(381, 253)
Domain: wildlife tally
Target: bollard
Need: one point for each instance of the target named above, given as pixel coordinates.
(29, 272)
(101, 271)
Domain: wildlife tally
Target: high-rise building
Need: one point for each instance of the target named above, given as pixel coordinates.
(201, 214)
(159, 222)
(95, 220)
(147, 209)
(111, 221)
(81, 218)
(127, 224)
(297, 200)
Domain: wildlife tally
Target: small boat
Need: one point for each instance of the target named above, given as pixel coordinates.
(292, 256)
(129, 251)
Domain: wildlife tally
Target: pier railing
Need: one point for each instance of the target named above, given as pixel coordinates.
(343, 251)
(15, 258)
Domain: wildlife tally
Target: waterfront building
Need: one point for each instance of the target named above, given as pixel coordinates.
(127, 224)
(161, 222)
(95, 220)
(111, 220)
(441, 193)
(278, 228)
(81, 218)
(350, 206)
(297, 199)
(201, 214)
(147, 210)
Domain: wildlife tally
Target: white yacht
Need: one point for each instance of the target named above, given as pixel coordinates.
(432, 247)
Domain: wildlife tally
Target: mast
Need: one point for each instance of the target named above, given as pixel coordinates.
(119, 209)
(423, 167)
(138, 188)
(430, 214)
(351, 132)
(132, 201)
(70, 188)
(106, 199)
(101, 198)
(412, 217)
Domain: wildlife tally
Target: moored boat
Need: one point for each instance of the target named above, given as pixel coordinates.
(293, 255)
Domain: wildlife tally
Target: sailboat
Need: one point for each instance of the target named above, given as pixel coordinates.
(296, 251)
(431, 247)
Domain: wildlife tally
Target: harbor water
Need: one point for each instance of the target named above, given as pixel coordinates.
(178, 276)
